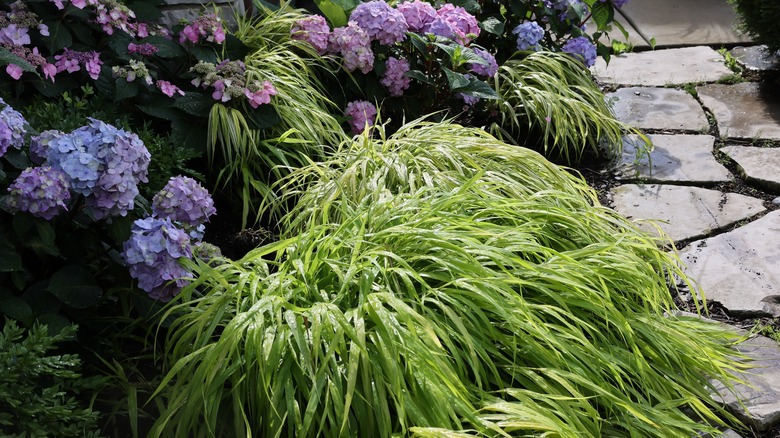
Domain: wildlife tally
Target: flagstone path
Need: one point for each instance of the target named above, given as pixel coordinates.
(710, 136)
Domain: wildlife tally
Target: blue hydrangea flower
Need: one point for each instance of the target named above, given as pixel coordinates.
(152, 254)
(184, 200)
(39, 144)
(529, 34)
(582, 49)
(75, 155)
(380, 21)
(13, 128)
(40, 191)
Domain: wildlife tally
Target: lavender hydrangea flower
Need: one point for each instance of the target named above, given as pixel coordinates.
(455, 23)
(582, 49)
(380, 21)
(40, 191)
(125, 161)
(418, 14)
(152, 254)
(39, 144)
(313, 30)
(394, 78)
(489, 69)
(184, 200)
(360, 114)
(354, 45)
(529, 34)
(13, 128)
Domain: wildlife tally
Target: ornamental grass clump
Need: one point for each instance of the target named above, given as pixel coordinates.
(438, 282)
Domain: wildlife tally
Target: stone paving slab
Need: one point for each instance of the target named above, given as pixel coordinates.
(658, 108)
(757, 404)
(684, 212)
(741, 268)
(756, 58)
(760, 166)
(674, 158)
(663, 67)
(686, 22)
(746, 110)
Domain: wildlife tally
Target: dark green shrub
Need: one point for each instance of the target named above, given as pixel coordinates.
(759, 19)
(39, 391)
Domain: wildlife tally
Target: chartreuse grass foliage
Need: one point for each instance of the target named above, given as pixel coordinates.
(441, 283)
(553, 96)
(263, 145)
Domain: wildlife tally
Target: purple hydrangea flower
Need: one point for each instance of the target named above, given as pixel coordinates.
(529, 34)
(354, 45)
(380, 21)
(455, 23)
(394, 78)
(13, 128)
(125, 161)
(582, 49)
(360, 113)
(418, 14)
(152, 254)
(488, 70)
(40, 191)
(184, 200)
(314, 30)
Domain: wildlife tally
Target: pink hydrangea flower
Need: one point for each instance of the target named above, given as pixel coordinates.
(14, 71)
(354, 45)
(313, 30)
(455, 23)
(361, 115)
(208, 26)
(261, 95)
(418, 14)
(169, 89)
(380, 21)
(394, 78)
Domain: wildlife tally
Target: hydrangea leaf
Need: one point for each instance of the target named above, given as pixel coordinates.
(333, 12)
(166, 48)
(10, 260)
(420, 76)
(492, 25)
(125, 90)
(478, 89)
(196, 104)
(456, 80)
(603, 14)
(74, 286)
(7, 57)
(14, 307)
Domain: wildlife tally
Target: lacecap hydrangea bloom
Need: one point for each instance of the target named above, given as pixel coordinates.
(582, 49)
(529, 34)
(152, 254)
(41, 191)
(13, 128)
(489, 69)
(354, 45)
(418, 14)
(184, 200)
(380, 21)
(394, 78)
(313, 30)
(360, 114)
(208, 27)
(455, 23)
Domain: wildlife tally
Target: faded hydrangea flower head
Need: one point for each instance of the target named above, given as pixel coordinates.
(394, 78)
(380, 21)
(354, 45)
(41, 191)
(313, 30)
(418, 14)
(152, 254)
(583, 49)
(455, 23)
(489, 69)
(13, 128)
(361, 114)
(184, 200)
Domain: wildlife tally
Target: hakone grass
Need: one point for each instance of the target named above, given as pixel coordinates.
(439, 282)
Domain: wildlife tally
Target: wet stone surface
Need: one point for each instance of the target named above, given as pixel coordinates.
(682, 212)
(756, 58)
(659, 108)
(760, 166)
(745, 110)
(663, 67)
(674, 158)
